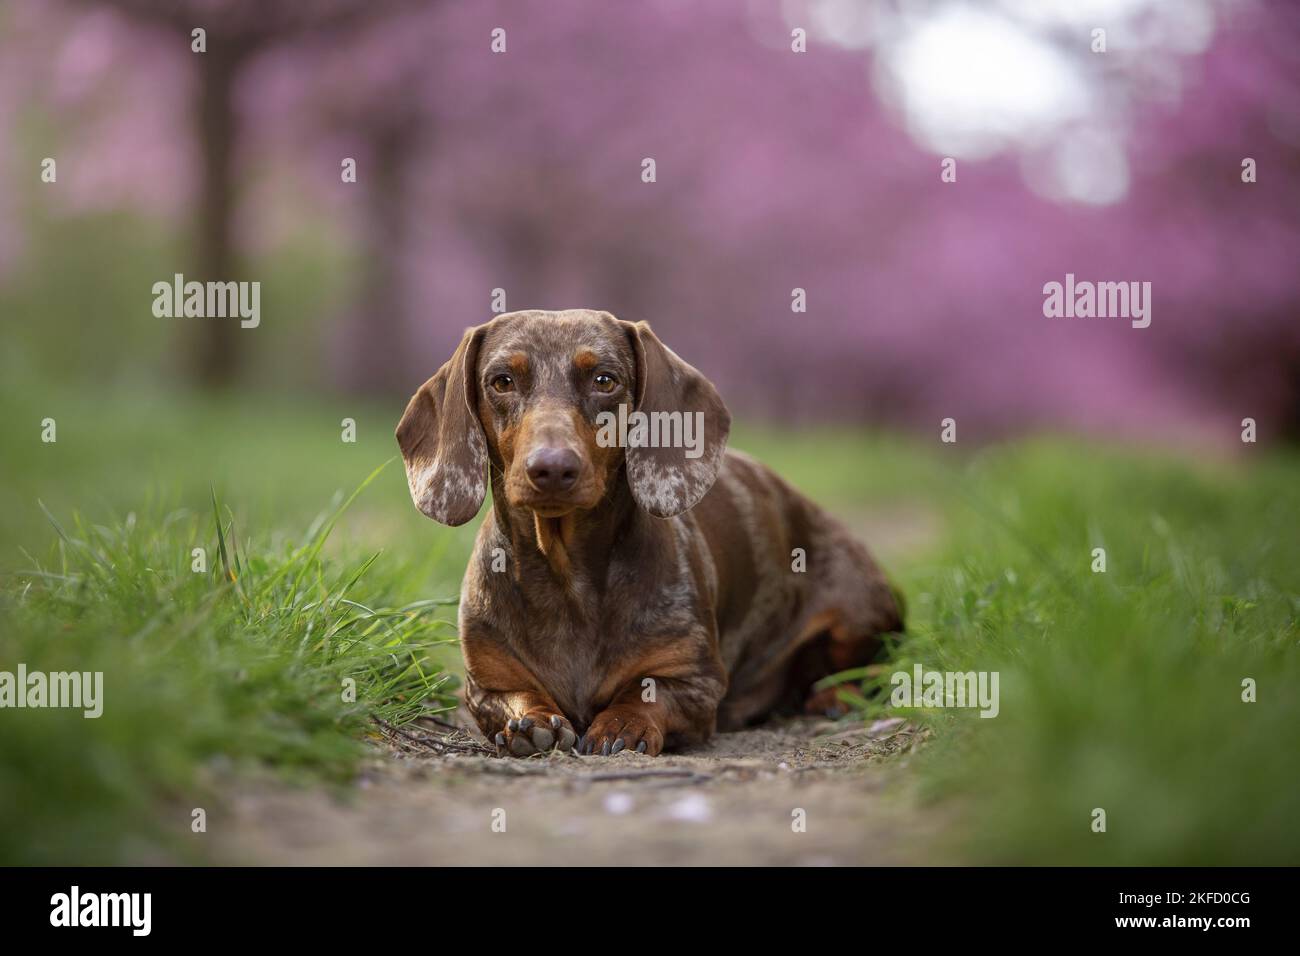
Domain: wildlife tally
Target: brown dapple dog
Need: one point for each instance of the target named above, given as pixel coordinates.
(633, 597)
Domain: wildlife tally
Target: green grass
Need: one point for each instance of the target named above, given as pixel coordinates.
(1119, 690)
(268, 656)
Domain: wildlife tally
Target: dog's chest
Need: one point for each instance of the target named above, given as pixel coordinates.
(585, 634)
(563, 652)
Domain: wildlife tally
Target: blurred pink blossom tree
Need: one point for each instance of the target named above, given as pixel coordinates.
(775, 171)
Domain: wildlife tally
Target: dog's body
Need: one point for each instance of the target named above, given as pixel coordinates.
(641, 597)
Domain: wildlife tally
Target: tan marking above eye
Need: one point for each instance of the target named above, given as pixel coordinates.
(586, 360)
(518, 364)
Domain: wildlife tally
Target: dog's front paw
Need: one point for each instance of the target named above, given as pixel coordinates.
(536, 733)
(622, 727)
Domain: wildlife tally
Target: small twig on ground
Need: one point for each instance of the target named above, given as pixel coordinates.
(433, 742)
(440, 722)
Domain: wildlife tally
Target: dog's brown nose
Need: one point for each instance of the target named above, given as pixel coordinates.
(552, 470)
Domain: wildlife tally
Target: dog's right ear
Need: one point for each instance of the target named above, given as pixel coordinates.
(442, 441)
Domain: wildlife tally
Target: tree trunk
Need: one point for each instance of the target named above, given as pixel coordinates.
(377, 328)
(216, 357)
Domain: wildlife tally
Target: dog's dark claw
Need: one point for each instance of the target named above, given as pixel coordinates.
(604, 749)
(526, 723)
(618, 745)
(512, 724)
(501, 740)
(555, 722)
(640, 748)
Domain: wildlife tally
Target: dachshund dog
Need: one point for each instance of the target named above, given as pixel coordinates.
(626, 592)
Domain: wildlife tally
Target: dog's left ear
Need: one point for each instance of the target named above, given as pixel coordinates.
(442, 441)
(667, 481)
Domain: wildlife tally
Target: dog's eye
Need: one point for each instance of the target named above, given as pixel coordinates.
(604, 382)
(502, 384)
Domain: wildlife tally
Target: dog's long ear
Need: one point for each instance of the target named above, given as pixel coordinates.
(667, 481)
(442, 441)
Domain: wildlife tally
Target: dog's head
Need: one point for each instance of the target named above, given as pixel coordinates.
(537, 396)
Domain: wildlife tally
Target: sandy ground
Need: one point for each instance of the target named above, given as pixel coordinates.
(433, 795)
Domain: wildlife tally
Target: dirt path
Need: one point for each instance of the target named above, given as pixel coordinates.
(431, 795)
